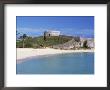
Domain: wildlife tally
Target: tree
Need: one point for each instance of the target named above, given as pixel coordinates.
(45, 36)
(17, 33)
(23, 39)
(24, 36)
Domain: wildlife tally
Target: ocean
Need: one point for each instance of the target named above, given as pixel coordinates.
(71, 63)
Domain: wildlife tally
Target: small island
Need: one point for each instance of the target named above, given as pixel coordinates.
(55, 45)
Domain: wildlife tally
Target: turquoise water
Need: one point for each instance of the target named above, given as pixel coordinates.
(72, 63)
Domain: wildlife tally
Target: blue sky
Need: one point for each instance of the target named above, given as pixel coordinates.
(68, 25)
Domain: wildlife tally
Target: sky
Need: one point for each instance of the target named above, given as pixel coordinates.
(82, 26)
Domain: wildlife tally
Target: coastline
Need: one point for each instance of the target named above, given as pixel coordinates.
(23, 53)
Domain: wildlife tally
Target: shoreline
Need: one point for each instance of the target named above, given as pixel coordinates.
(23, 53)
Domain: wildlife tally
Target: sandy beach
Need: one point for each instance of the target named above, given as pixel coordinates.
(23, 53)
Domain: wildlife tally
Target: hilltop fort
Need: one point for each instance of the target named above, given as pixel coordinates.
(54, 39)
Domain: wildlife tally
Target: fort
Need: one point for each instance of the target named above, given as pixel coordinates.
(52, 33)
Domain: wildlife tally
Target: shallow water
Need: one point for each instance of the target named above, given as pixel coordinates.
(72, 63)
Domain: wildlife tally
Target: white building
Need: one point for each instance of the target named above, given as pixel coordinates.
(52, 33)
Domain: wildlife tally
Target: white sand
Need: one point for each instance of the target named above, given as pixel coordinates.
(23, 53)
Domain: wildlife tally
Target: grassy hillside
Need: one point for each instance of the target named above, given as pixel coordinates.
(38, 42)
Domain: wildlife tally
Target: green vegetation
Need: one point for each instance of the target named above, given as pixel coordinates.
(39, 42)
